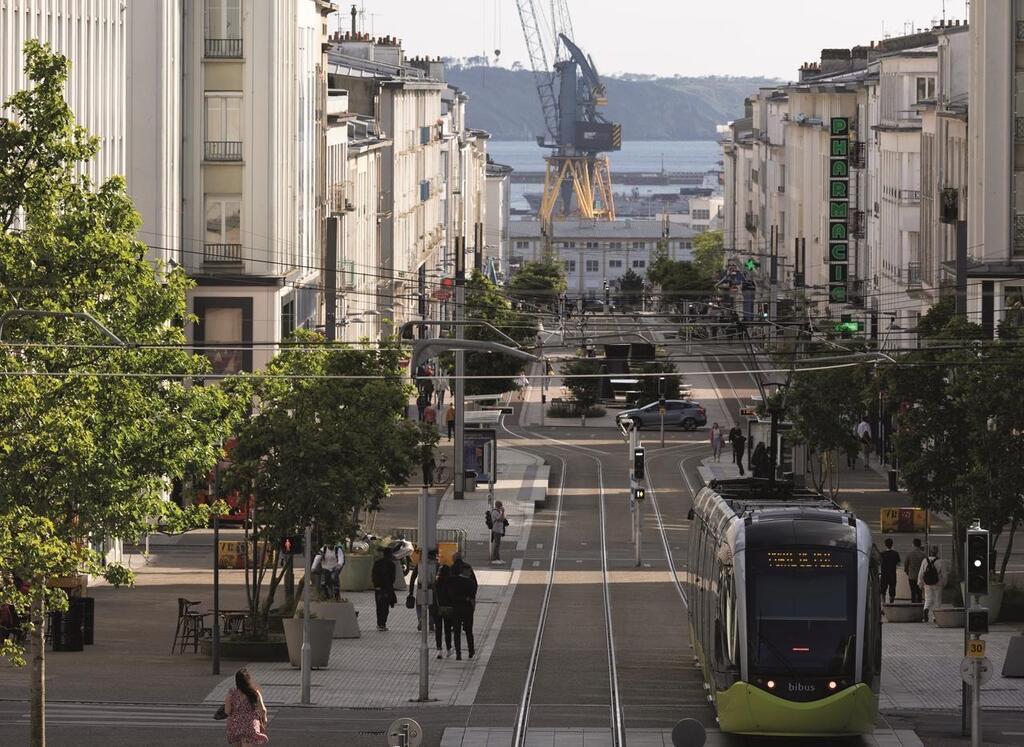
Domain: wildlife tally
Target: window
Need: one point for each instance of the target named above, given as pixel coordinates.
(570, 265)
(615, 245)
(223, 220)
(639, 264)
(568, 244)
(223, 19)
(592, 245)
(522, 245)
(639, 244)
(223, 333)
(615, 264)
(925, 89)
(287, 319)
(223, 28)
(224, 128)
(593, 265)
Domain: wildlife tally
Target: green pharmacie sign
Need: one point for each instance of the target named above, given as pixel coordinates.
(839, 211)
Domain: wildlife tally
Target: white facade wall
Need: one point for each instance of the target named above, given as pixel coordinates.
(497, 217)
(93, 34)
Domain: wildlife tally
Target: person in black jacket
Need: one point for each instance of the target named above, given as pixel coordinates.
(442, 612)
(383, 575)
(463, 586)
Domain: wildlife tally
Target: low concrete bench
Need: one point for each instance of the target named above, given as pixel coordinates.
(903, 612)
(949, 617)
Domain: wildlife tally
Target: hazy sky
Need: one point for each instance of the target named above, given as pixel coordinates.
(665, 37)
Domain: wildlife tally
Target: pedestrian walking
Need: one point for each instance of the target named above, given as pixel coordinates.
(890, 562)
(912, 567)
(739, 444)
(449, 419)
(864, 436)
(497, 523)
(246, 711)
(761, 462)
(716, 442)
(932, 577)
(430, 415)
(441, 390)
(442, 613)
(464, 587)
(383, 575)
(523, 385)
(421, 405)
(429, 469)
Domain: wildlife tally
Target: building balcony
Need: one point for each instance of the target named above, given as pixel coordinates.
(223, 49)
(223, 150)
(914, 274)
(222, 256)
(912, 196)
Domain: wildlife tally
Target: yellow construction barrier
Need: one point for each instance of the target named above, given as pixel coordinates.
(904, 520)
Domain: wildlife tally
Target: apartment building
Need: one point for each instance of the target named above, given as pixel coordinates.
(96, 42)
(227, 162)
(497, 218)
(595, 252)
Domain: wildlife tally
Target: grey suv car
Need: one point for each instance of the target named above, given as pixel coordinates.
(678, 413)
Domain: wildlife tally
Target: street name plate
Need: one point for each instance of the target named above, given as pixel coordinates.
(984, 670)
(976, 649)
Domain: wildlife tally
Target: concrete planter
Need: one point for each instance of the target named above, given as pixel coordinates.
(320, 632)
(274, 649)
(903, 612)
(993, 600)
(949, 617)
(346, 623)
(356, 575)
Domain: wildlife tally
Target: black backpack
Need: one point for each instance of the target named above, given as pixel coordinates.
(488, 520)
(931, 573)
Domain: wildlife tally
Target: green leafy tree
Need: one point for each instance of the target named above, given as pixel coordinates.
(484, 302)
(709, 255)
(680, 282)
(90, 434)
(586, 390)
(539, 282)
(631, 288)
(825, 407)
(328, 436)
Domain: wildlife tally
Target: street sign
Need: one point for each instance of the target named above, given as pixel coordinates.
(976, 649)
(405, 733)
(661, 411)
(984, 670)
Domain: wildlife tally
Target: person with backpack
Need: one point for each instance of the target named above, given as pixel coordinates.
(329, 562)
(496, 523)
(932, 577)
(912, 567)
(890, 562)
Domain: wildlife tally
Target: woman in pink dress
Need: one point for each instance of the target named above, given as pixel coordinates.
(247, 715)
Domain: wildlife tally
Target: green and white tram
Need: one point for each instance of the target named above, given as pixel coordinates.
(784, 610)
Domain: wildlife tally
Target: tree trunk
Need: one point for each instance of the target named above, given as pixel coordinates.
(289, 580)
(1009, 549)
(37, 736)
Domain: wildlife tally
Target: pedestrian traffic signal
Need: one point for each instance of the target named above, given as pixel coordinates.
(847, 327)
(977, 561)
(293, 545)
(977, 621)
(752, 264)
(638, 463)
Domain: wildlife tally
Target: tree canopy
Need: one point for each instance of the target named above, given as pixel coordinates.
(539, 282)
(485, 302)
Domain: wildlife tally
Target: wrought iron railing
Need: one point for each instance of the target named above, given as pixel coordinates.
(223, 150)
(222, 254)
(224, 48)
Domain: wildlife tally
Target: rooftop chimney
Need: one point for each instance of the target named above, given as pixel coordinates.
(355, 14)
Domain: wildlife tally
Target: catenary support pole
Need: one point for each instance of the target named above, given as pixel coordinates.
(333, 233)
(215, 645)
(423, 591)
(307, 652)
(459, 475)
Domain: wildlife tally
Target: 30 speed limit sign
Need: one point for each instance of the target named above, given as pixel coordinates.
(976, 649)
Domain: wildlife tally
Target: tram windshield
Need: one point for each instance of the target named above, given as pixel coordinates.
(802, 610)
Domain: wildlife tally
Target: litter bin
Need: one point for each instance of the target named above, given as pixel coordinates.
(470, 486)
(66, 629)
(88, 607)
(893, 487)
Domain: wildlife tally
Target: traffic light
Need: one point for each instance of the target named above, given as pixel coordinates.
(639, 494)
(638, 463)
(977, 561)
(752, 264)
(977, 621)
(293, 545)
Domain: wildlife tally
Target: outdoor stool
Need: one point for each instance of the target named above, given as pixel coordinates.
(190, 627)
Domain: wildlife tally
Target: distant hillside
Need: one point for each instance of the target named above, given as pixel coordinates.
(505, 103)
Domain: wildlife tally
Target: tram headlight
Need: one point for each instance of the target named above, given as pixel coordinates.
(771, 684)
(832, 684)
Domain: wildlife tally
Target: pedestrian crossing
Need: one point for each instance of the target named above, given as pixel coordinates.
(129, 715)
